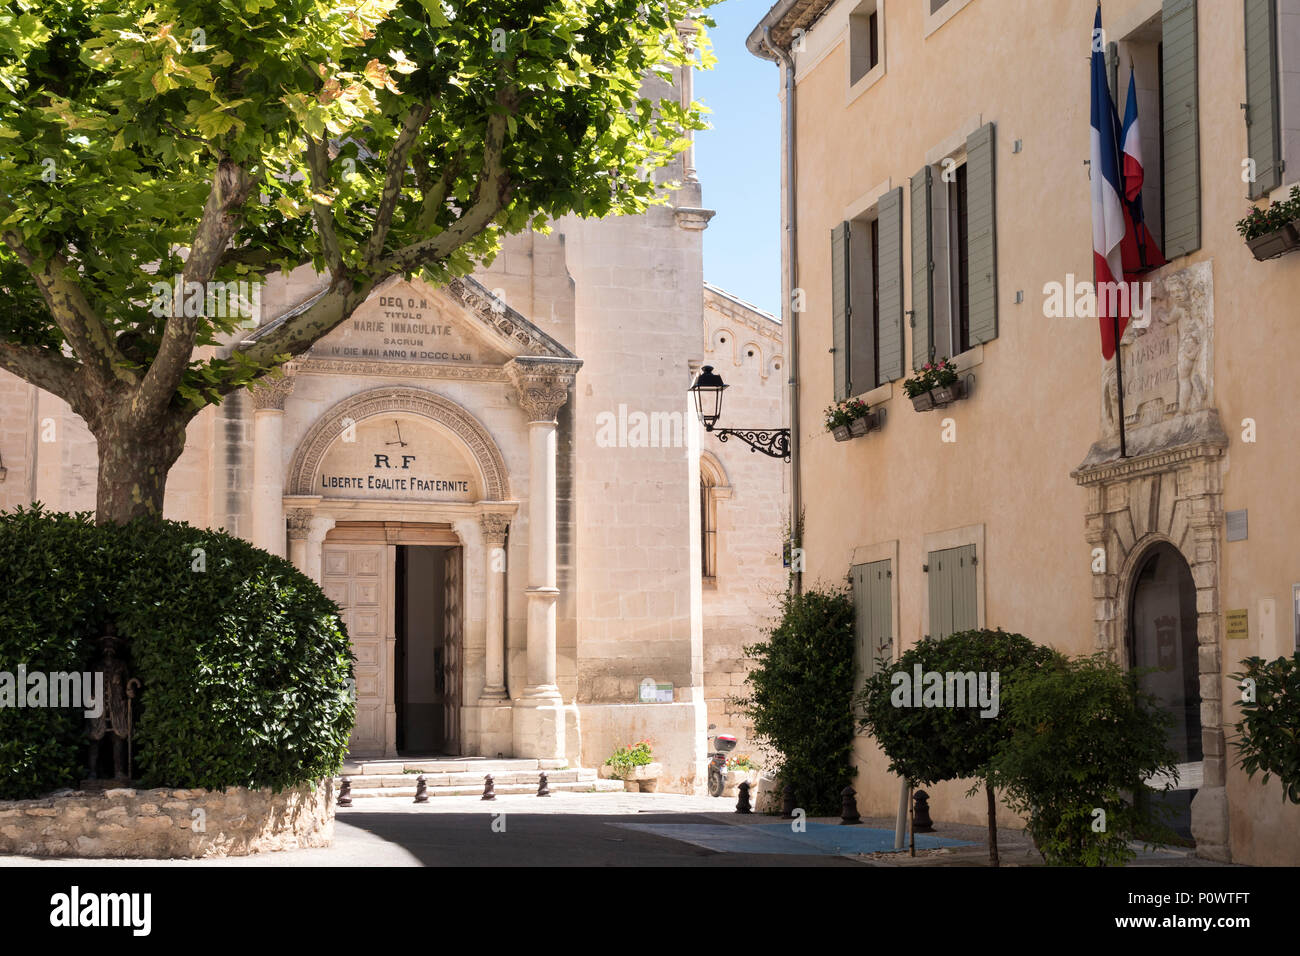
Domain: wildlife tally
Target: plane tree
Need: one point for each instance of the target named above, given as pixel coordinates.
(153, 149)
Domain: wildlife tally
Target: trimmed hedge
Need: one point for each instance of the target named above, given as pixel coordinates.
(801, 701)
(245, 665)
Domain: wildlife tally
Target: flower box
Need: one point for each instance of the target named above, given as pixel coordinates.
(1276, 243)
(939, 396)
(644, 778)
(734, 778)
(946, 394)
(841, 433)
(860, 426)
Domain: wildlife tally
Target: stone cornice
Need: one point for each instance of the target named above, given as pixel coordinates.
(784, 18)
(1155, 448)
(418, 370)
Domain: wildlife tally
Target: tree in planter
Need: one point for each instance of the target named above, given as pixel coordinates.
(1268, 734)
(926, 743)
(1084, 739)
(801, 695)
(154, 145)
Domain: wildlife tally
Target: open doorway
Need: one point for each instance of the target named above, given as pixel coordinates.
(428, 652)
(1162, 640)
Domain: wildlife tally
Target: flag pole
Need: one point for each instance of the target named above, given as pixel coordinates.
(1119, 386)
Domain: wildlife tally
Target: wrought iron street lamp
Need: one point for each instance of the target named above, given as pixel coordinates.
(708, 389)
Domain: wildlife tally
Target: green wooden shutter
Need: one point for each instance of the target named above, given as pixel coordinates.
(862, 312)
(954, 598)
(890, 320)
(1263, 132)
(981, 233)
(879, 591)
(840, 308)
(940, 575)
(922, 299)
(1182, 160)
(861, 625)
(965, 607)
(873, 616)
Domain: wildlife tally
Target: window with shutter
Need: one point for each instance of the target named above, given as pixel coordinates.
(980, 240)
(922, 269)
(953, 593)
(840, 309)
(889, 277)
(873, 615)
(1182, 160)
(1263, 126)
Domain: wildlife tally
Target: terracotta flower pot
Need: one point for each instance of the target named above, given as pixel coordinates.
(841, 433)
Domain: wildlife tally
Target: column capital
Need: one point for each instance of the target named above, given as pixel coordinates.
(494, 527)
(542, 383)
(299, 524)
(270, 393)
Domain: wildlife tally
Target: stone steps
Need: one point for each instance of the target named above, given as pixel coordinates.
(528, 789)
(367, 781)
(457, 777)
(472, 765)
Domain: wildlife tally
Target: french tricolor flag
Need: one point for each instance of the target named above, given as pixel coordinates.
(1141, 254)
(1108, 214)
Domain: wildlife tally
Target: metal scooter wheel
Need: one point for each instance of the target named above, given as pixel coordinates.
(716, 783)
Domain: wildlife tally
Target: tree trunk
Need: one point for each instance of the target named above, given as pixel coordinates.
(993, 824)
(133, 467)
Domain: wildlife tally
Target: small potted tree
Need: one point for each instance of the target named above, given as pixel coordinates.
(849, 419)
(1273, 231)
(937, 385)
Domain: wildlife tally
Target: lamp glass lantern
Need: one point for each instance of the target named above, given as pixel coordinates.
(708, 389)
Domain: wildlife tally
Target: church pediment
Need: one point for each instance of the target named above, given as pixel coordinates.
(414, 323)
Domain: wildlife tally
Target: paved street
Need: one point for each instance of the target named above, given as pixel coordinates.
(616, 829)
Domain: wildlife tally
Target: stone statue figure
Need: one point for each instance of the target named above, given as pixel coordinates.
(114, 719)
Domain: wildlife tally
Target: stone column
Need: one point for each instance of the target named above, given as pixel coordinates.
(494, 538)
(543, 386)
(268, 398)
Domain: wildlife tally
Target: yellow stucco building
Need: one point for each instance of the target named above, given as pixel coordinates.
(939, 206)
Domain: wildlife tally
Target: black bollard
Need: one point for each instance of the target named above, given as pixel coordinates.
(345, 793)
(542, 789)
(742, 801)
(489, 793)
(921, 822)
(849, 807)
(787, 802)
(421, 789)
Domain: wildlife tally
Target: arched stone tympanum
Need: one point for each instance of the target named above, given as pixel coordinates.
(379, 402)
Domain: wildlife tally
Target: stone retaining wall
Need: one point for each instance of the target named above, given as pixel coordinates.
(160, 824)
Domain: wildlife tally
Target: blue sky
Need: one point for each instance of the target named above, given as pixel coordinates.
(739, 161)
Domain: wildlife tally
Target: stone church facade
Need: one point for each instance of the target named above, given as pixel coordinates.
(499, 483)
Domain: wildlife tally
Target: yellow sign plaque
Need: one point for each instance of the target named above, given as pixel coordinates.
(1237, 624)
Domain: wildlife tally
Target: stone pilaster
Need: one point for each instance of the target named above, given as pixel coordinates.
(543, 386)
(494, 527)
(268, 396)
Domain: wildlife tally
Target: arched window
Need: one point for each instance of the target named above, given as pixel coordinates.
(713, 486)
